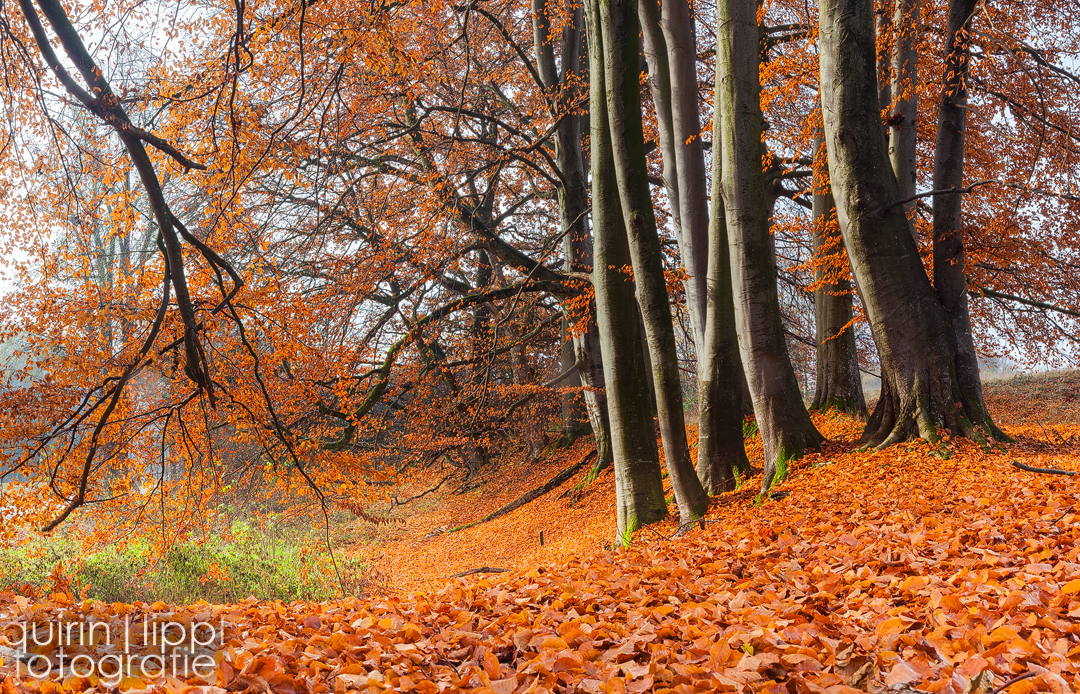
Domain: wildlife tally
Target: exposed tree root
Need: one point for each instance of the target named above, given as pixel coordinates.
(926, 406)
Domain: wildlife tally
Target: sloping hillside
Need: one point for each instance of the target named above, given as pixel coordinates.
(917, 569)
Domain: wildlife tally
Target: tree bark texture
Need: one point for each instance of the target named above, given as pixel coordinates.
(914, 339)
(619, 25)
(905, 78)
(839, 384)
(573, 210)
(639, 488)
(883, 37)
(671, 50)
(950, 281)
(721, 453)
(785, 425)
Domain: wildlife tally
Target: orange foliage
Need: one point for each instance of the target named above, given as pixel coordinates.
(873, 570)
(380, 178)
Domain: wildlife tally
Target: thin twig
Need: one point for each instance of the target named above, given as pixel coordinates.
(1058, 519)
(657, 533)
(1013, 681)
(943, 191)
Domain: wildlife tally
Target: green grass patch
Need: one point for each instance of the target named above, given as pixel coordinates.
(267, 561)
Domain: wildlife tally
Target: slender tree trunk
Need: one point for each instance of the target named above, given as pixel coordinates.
(839, 385)
(670, 45)
(914, 339)
(575, 418)
(639, 488)
(573, 209)
(905, 79)
(671, 49)
(476, 454)
(950, 282)
(619, 24)
(524, 375)
(883, 34)
(721, 453)
(786, 429)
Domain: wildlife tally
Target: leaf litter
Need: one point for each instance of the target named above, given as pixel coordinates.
(916, 569)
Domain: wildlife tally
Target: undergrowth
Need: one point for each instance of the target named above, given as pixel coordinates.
(266, 560)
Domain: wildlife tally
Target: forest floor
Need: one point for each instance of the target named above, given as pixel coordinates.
(916, 569)
(424, 544)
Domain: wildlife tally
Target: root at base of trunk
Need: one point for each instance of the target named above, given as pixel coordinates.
(920, 414)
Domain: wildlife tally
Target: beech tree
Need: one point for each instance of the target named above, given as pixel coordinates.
(669, 43)
(950, 282)
(785, 425)
(839, 382)
(903, 128)
(619, 27)
(573, 196)
(920, 389)
(639, 488)
(670, 46)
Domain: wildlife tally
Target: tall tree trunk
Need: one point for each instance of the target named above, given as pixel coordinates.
(839, 385)
(721, 453)
(671, 50)
(524, 375)
(619, 24)
(883, 34)
(475, 452)
(950, 282)
(786, 429)
(575, 418)
(573, 210)
(914, 339)
(905, 80)
(639, 487)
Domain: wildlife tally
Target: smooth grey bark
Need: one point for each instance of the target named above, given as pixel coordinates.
(619, 25)
(575, 417)
(914, 339)
(654, 48)
(639, 487)
(839, 385)
(883, 29)
(524, 374)
(950, 282)
(671, 50)
(905, 79)
(721, 453)
(573, 209)
(785, 425)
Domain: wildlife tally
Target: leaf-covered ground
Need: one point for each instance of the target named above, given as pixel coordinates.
(934, 569)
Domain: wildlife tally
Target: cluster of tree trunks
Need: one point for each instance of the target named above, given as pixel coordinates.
(863, 202)
(625, 357)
